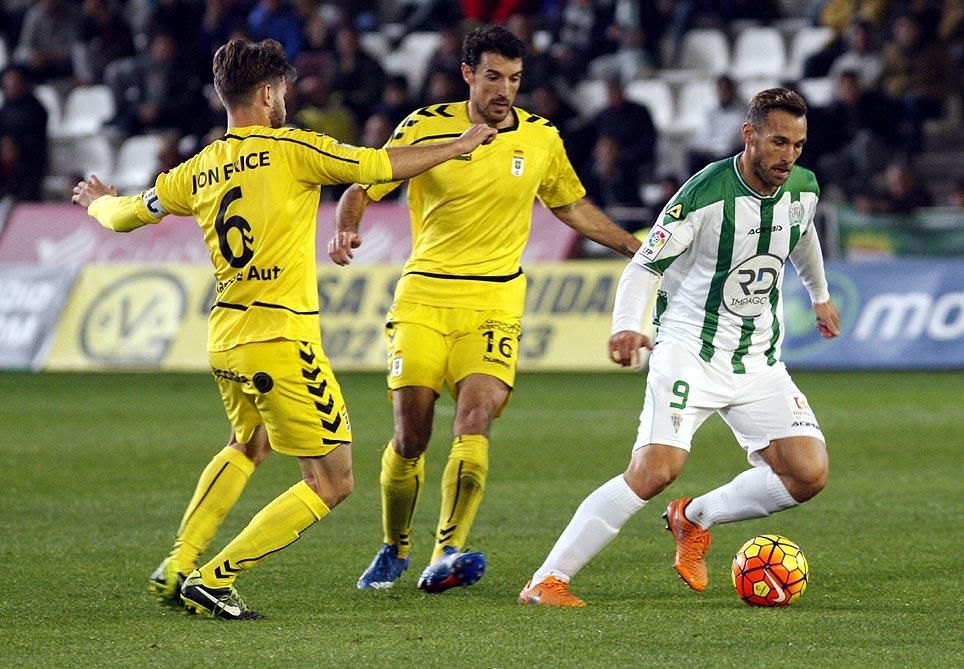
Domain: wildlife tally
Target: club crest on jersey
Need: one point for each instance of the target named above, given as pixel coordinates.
(677, 422)
(796, 213)
(518, 163)
(657, 239)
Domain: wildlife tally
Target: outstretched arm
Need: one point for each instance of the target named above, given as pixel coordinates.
(120, 214)
(348, 215)
(589, 221)
(409, 161)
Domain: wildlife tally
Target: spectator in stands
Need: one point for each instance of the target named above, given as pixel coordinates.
(861, 55)
(631, 125)
(104, 37)
(322, 110)
(355, 74)
(612, 185)
(155, 90)
(720, 133)
(181, 18)
(580, 35)
(443, 87)
(23, 133)
(917, 71)
(376, 131)
(275, 19)
(396, 100)
(12, 13)
(50, 28)
(222, 21)
(902, 192)
(538, 66)
(956, 196)
(577, 135)
(446, 58)
(854, 135)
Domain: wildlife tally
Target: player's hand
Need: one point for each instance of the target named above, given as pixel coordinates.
(828, 320)
(340, 247)
(87, 191)
(477, 134)
(624, 348)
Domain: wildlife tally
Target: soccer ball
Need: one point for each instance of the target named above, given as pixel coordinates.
(770, 570)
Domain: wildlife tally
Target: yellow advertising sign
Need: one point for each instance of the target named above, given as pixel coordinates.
(155, 316)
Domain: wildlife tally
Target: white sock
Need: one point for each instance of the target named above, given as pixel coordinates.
(755, 493)
(596, 522)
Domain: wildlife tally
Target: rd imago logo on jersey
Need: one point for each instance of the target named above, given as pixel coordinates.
(746, 291)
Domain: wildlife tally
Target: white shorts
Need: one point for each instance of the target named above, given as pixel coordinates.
(682, 391)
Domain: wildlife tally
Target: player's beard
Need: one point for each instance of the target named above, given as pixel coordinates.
(493, 117)
(276, 117)
(766, 177)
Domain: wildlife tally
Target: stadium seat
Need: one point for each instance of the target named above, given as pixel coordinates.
(750, 87)
(50, 99)
(658, 98)
(758, 52)
(589, 97)
(818, 91)
(694, 97)
(805, 42)
(704, 52)
(136, 164)
(375, 44)
(412, 56)
(87, 109)
(71, 159)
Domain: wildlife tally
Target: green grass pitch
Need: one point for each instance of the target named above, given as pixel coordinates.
(95, 471)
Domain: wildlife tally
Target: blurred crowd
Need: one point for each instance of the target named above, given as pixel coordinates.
(895, 66)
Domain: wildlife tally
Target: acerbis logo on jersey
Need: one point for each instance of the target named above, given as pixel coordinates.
(746, 291)
(657, 239)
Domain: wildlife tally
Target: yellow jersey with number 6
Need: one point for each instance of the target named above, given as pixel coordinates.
(255, 194)
(471, 215)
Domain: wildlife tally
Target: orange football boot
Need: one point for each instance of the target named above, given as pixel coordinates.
(692, 545)
(550, 591)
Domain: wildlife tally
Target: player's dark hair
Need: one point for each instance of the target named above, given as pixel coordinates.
(242, 66)
(771, 99)
(491, 39)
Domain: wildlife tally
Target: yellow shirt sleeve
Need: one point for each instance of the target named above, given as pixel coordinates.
(322, 160)
(126, 213)
(561, 185)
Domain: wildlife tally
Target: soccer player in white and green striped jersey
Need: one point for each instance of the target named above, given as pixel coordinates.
(717, 255)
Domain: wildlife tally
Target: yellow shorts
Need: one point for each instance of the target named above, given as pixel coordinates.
(431, 346)
(288, 387)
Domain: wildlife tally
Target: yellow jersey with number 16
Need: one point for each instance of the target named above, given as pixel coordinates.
(255, 194)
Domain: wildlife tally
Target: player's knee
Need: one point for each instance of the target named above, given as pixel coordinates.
(411, 442)
(331, 490)
(648, 479)
(808, 481)
(256, 450)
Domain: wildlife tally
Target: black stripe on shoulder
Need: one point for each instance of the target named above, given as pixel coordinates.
(440, 110)
(448, 135)
(398, 135)
(425, 112)
(410, 122)
(294, 141)
(533, 119)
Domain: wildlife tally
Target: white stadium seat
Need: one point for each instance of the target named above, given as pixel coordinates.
(694, 98)
(86, 110)
(50, 99)
(818, 91)
(758, 52)
(806, 42)
(658, 98)
(705, 50)
(136, 164)
(589, 97)
(412, 56)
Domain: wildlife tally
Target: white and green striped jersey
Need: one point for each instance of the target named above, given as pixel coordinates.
(721, 248)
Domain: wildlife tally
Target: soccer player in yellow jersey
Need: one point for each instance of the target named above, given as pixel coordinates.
(255, 195)
(456, 318)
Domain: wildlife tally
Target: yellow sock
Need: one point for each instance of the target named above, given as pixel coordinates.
(277, 525)
(463, 484)
(401, 481)
(217, 490)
